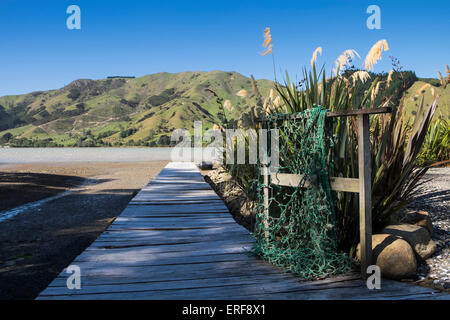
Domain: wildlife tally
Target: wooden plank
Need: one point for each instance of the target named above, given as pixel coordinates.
(174, 203)
(330, 114)
(294, 180)
(142, 270)
(190, 215)
(344, 184)
(270, 289)
(365, 193)
(167, 187)
(358, 112)
(138, 256)
(203, 246)
(279, 281)
(175, 189)
(167, 274)
(160, 259)
(179, 230)
(166, 279)
(183, 233)
(164, 241)
(182, 215)
(171, 197)
(138, 209)
(179, 217)
(212, 274)
(173, 224)
(180, 181)
(158, 285)
(145, 220)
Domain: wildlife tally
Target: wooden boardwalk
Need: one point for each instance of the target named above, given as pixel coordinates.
(177, 240)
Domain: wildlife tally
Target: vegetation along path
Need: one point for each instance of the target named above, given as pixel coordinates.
(177, 240)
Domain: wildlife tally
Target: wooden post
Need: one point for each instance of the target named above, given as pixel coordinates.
(266, 202)
(266, 181)
(365, 194)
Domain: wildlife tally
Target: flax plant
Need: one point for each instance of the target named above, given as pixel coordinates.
(395, 143)
(436, 147)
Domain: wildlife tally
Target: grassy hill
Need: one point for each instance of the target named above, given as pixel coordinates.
(413, 97)
(141, 111)
(144, 111)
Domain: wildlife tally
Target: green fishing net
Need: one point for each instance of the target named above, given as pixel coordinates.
(299, 233)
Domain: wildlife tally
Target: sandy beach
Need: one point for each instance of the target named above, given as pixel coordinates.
(42, 238)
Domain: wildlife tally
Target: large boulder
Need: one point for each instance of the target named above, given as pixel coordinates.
(417, 217)
(393, 255)
(418, 237)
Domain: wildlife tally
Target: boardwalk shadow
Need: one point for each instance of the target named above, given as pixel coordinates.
(18, 188)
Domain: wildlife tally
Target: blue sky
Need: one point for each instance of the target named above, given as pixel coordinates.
(136, 38)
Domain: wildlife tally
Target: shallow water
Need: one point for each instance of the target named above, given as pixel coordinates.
(44, 155)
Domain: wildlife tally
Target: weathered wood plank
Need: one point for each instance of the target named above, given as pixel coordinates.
(174, 203)
(365, 193)
(182, 216)
(169, 220)
(332, 114)
(139, 256)
(228, 283)
(270, 289)
(171, 259)
(137, 209)
(294, 180)
(164, 241)
(182, 284)
(134, 234)
(200, 246)
(159, 225)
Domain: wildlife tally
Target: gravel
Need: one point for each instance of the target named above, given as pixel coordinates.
(433, 196)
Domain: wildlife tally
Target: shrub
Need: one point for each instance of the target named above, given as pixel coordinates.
(394, 145)
(74, 94)
(6, 137)
(128, 132)
(436, 147)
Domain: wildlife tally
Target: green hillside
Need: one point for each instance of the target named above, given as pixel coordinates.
(419, 88)
(144, 111)
(141, 111)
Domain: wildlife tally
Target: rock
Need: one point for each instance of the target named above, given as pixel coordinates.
(417, 237)
(394, 256)
(424, 221)
(240, 206)
(418, 218)
(204, 165)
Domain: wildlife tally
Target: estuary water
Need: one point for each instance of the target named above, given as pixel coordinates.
(10, 156)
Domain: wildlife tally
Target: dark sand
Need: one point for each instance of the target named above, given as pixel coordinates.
(36, 245)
